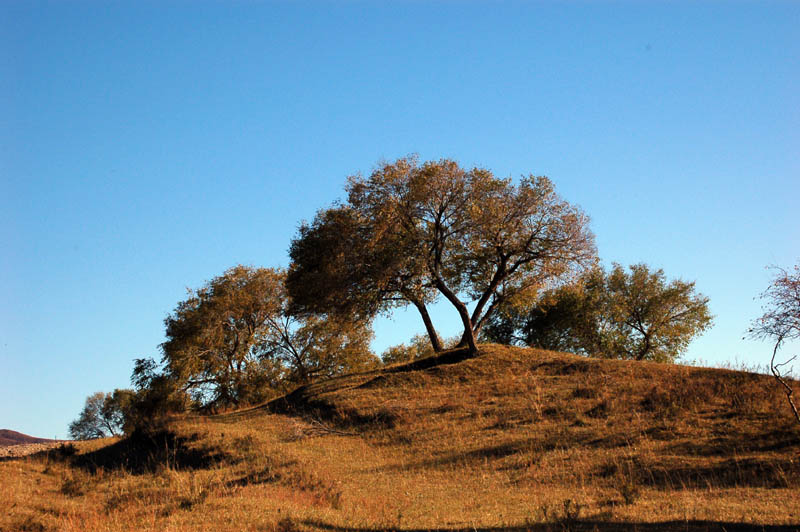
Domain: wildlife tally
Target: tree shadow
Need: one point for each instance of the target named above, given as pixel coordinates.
(305, 401)
(304, 404)
(262, 476)
(450, 356)
(731, 473)
(666, 474)
(727, 445)
(476, 456)
(567, 367)
(147, 452)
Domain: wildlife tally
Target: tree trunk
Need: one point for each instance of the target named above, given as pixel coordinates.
(499, 274)
(775, 369)
(426, 318)
(469, 335)
(645, 349)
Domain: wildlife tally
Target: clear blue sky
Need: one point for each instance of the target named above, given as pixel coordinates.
(147, 147)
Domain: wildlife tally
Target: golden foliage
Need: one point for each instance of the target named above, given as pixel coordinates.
(412, 232)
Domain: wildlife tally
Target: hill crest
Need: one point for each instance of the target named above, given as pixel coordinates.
(11, 437)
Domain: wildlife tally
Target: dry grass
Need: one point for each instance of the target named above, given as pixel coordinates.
(515, 438)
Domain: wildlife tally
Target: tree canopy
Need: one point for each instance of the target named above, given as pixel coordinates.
(634, 314)
(103, 415)
(781, 319)
(232, 340)
(410, 233)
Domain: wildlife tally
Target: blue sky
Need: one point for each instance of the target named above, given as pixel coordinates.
(147, 147)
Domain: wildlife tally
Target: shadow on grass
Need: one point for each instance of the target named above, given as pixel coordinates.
(567, 367)
(299, 403)
(451, 356)
(146, 452)
(475, 456)
(262, 476)
(728, 444)
(305, 401)
(665, 474)
(584, 525)
(731, 473)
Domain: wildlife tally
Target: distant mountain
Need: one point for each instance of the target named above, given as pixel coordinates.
(12, 437)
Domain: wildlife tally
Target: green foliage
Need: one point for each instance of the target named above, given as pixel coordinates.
(419, 347)
(103, 415)
(634, 315)
(648, 318)
(117, 409)
(214, 337)
(156, 396)
(412, 232)
(317, 347)
(340, 267)
(234, 342)
(564, 319)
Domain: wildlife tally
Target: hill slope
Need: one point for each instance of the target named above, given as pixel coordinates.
(514, 438)
(12, 437)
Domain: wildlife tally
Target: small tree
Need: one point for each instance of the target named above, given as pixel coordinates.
(650, 318)
(781, 322)
(103, 415)
(411, 232)
(633, 315)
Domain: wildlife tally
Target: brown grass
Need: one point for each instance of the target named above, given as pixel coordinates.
(513, 439)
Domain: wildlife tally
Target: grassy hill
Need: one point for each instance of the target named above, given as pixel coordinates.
(512, 439)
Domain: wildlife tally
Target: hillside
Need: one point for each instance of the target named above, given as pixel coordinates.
(512, 439)
(12, 437)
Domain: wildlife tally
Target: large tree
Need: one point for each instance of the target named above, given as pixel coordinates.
(346, 265)
(412, 232)
(635, 314)
(232, 341)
